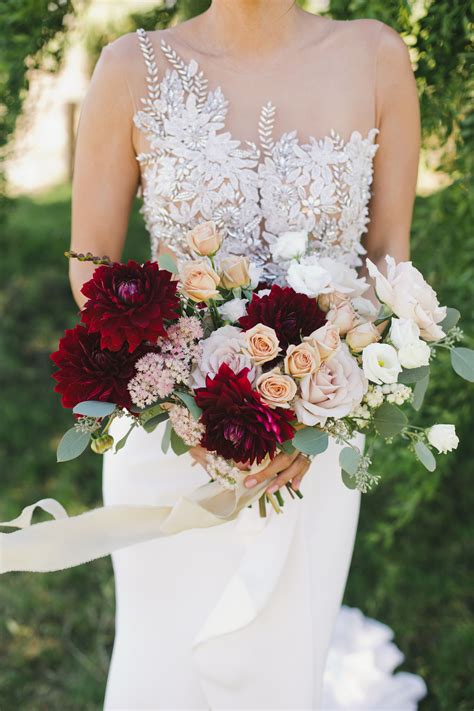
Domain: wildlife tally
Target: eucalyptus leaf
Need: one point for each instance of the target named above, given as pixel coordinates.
(462, 360)
(389, 420)
(450, 320)
(72, 444)
(151, 424)
(287, 446)
(150, 413)
(348, 479)
(94, 408)
(122, 442)
(165, 442)
(168, 262)
(190, 403)
(310, 440)
(425, 455)
(413, 375)
(419, 392)
(177, 444)
(349, 459)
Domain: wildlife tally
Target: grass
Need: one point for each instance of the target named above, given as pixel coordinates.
(410, 564)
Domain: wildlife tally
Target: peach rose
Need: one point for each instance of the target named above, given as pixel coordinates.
(301, 360)
(361, 336)
(332, 300)
(234, 272)
(261, 344)
(342, 316)
(204, 239)
(276, 389)
(199, 281)
(326, 339)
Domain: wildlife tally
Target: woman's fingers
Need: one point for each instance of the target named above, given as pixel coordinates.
(294, 473)
(279, 463)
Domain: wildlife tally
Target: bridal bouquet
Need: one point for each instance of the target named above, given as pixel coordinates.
(247, 369)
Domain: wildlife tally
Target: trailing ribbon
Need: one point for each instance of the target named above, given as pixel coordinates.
(65, 542)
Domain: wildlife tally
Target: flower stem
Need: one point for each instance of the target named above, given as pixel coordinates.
(274, 503)
(262, 507)
(279, 498)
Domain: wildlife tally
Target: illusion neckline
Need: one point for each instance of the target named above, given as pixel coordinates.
(194, 68)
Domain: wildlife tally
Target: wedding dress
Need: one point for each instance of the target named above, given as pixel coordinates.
(241, 616)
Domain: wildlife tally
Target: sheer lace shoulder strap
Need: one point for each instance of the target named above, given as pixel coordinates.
(148, 52)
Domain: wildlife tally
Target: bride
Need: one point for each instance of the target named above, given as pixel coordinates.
(263, 118)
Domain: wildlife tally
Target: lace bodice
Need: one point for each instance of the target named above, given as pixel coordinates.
(195, 170)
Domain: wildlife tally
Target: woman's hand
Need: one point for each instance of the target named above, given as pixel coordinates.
(288, 467)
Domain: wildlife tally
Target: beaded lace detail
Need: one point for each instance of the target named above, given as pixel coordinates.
(195, 170)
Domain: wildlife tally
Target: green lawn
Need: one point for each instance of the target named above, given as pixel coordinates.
(410, 567)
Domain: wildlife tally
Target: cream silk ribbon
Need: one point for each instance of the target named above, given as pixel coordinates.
(65, 542)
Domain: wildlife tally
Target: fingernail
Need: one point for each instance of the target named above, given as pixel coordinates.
(271, 489)
(250, 482)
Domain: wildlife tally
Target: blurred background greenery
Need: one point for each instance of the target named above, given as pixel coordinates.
(411, 563)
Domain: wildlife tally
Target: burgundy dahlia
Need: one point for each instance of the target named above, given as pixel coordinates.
(87, 372)
(129, 303)
(239, 425)
(290, 314)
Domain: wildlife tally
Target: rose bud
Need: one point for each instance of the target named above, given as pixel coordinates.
(276, 389)
(102, 444)
(235, 272)
(261, 344)
(199, 281)
(301, 360)
(328, 301)
(326, 340)
(204, 239)
(342, 316)
(361, 336)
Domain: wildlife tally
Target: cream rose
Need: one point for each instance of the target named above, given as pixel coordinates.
(409, 296)
(361, 336)
(233, 310)
(333, 391)
(443, 437)
(331, 300)
(326, 339)
(234, 272)
(261, 344)
(199, 281)
(380, 363)
(276, 389)
(289, 245)
(301, 360)
(225, 345)
(204, 239)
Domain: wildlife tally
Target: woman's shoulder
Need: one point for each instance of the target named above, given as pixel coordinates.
(367, 34)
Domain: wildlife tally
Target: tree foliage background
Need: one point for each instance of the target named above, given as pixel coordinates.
(410, 566)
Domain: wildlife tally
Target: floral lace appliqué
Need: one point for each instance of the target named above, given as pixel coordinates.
(195, 170)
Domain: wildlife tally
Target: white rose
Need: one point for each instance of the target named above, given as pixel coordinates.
(226, 345)
(409, 296)
(414, 354)
(344, 278)
(380, 363)
(233, 310)
(309, 279)
(403, 332)
(289, 245)
(366, 310)
(443, 437)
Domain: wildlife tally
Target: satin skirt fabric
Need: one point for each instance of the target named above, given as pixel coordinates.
(239, 616)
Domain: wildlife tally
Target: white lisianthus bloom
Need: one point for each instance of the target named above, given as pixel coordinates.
(403, 332)
(289, 245)
(443, 437)
(366, 310)
(380, 363)
(233, 310)
(414, 354)
(309, 279)
(344, 279)
(409, 296)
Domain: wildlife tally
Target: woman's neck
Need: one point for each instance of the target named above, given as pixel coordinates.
(246, 30)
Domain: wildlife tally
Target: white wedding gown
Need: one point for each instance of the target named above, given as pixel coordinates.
(241, 616)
